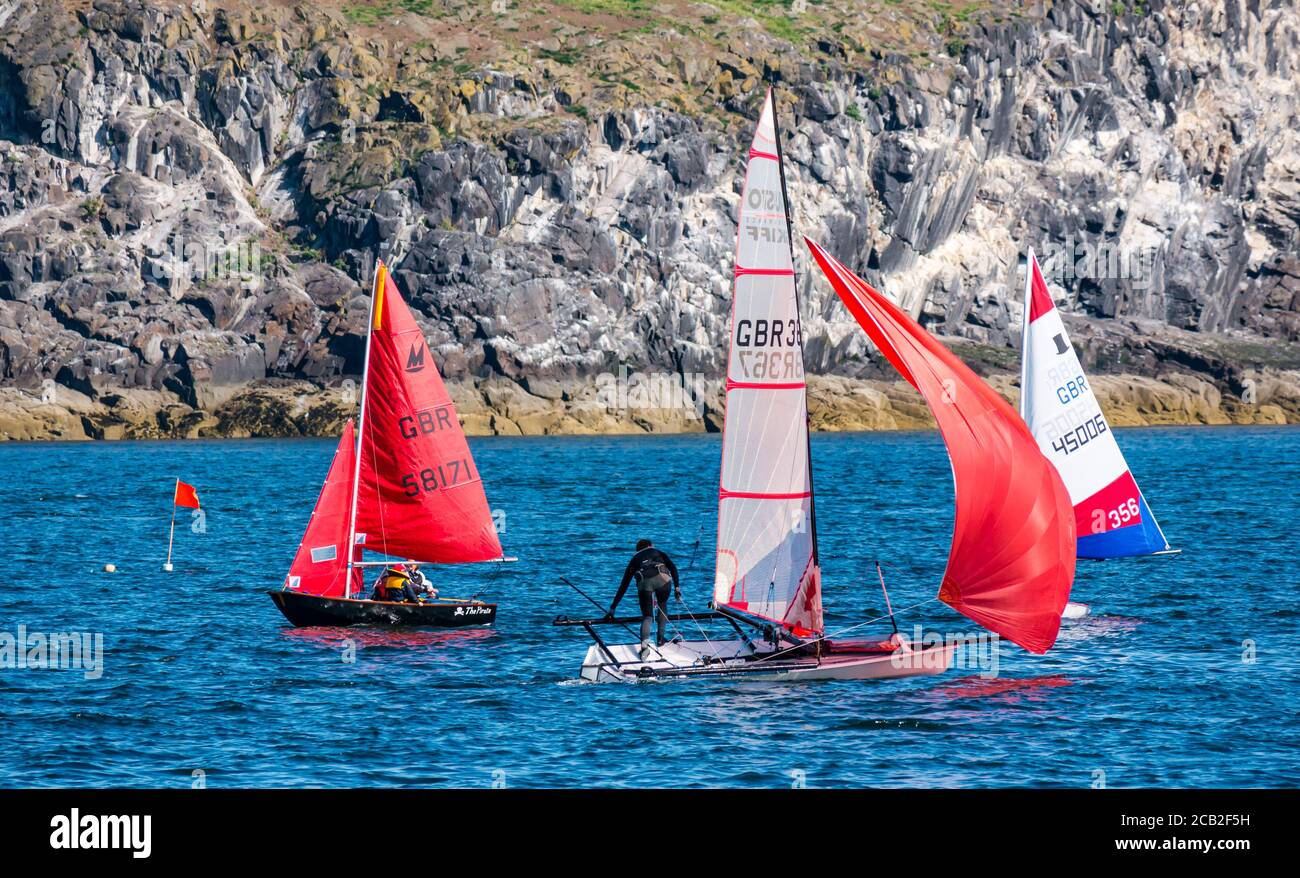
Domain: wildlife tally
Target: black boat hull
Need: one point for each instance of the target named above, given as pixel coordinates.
(311, 611)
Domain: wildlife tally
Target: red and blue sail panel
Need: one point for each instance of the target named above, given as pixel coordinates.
(1057, 402)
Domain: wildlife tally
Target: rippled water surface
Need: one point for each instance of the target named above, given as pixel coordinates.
(202, 673)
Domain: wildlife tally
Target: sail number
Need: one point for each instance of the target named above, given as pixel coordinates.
(444, 475)
(767, 333)
(1080, 435)
(1126, 513)
(1071, 390)
(424, 422)
(769, 365)
(772, 366)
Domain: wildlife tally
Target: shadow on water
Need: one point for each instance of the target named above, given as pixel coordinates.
(362, 637)
(997, 691)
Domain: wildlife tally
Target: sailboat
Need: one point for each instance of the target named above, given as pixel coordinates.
(1012, 556)
(404, 485)
(1112, 518)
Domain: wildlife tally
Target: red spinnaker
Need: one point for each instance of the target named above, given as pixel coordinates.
(1012, 558)
(320, 567)
(420, 496)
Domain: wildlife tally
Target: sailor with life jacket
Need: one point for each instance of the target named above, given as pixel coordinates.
(654, 573)
(403, 583)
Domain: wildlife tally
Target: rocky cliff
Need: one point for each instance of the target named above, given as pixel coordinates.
(191, 197)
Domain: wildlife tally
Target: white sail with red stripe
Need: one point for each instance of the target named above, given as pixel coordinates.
(767, 545)
(1056, 401)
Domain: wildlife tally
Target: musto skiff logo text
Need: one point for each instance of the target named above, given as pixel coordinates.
(473, 611)
(77, 831)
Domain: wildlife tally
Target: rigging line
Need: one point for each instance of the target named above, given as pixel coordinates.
(703, 632)
(491, 581)
(681, 637)
(635, 634)
(699, 535)
(894, 568)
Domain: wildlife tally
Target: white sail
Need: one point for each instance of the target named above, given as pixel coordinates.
(1111, 516)
(767, 559)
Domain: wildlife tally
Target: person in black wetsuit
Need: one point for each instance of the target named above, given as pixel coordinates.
(655, 573)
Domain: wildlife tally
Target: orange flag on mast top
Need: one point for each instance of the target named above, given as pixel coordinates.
(186, 496)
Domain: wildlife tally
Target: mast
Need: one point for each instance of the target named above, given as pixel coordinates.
(789, 241)
(380, 277)
(171, 537)
(1024, 337)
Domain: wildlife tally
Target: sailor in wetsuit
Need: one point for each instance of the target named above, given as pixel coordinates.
(654, 573)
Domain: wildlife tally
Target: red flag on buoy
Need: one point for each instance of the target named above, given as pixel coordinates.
(186, 496)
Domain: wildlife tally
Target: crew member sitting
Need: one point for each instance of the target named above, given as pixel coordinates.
(423, 587)
(394, 585)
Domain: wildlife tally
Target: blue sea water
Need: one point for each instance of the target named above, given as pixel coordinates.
(1184, 675)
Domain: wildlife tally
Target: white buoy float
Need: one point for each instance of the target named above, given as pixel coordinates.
(167, 568)
(110, 568)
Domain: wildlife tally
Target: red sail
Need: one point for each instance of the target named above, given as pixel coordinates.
(419, 496)
(320, 567)
(1012, 558)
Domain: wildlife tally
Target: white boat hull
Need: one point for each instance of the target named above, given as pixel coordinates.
(738, 659)
(1075, 611)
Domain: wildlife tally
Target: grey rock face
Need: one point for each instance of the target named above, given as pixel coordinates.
(189, 203)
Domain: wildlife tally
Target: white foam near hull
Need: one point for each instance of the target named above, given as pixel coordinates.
(738, 659)
(1075, 611)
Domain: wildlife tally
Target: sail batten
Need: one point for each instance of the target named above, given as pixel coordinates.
(1011, 562)
(1057, 401)
(766, 563)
